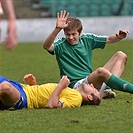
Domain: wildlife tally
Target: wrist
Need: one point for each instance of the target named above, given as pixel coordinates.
(56, 30)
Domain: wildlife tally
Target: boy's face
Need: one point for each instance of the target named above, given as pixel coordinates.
(91, 89)
(72, 36)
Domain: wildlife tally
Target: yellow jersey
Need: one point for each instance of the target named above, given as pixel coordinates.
(38, 95)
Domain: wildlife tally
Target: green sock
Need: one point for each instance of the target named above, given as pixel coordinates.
(120, 84)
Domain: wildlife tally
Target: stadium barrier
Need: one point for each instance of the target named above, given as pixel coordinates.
(36, 30)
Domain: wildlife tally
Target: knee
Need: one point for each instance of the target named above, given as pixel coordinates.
(102, 72)
(5, 88)
(121, 55)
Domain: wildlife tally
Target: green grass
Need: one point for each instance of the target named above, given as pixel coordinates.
(112, 116)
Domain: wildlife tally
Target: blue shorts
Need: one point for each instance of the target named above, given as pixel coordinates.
(21, 103)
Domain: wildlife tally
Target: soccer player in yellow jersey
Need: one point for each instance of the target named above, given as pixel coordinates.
(14, 95)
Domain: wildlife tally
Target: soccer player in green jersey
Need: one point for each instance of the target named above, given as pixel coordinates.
(74, 51)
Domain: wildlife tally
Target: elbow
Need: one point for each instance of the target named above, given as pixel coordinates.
(44, 46)
(47, 47)
(51, 106)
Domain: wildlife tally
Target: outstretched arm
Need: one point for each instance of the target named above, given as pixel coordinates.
(30, 79)
(53, 101)
(8, 8)
(60, 24)
(117, 37)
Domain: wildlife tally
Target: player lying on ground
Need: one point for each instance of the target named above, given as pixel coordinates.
(14, 95)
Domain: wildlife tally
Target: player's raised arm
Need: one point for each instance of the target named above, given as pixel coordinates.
(60, 24)
(117, 37)
(53, 101)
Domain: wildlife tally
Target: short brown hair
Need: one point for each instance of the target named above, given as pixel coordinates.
(95, 100)
(74, 23)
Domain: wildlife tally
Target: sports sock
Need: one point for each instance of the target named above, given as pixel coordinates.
(120, 84)
(103, 87)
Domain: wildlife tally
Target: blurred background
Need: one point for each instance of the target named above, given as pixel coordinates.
(37, 18)
(78, 8)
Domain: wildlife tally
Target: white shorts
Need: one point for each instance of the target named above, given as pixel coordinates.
(80, 82)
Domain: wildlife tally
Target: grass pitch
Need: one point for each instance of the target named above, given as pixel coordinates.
(112, 116)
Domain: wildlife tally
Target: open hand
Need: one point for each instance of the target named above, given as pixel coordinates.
(61, 19)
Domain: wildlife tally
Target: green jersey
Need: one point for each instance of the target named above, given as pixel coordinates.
(75, 61)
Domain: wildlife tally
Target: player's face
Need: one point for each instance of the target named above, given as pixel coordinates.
(72, 36)
(91, 89)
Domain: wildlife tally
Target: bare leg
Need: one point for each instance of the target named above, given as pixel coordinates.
(117, 63)
(8, 93)
(99, 76)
